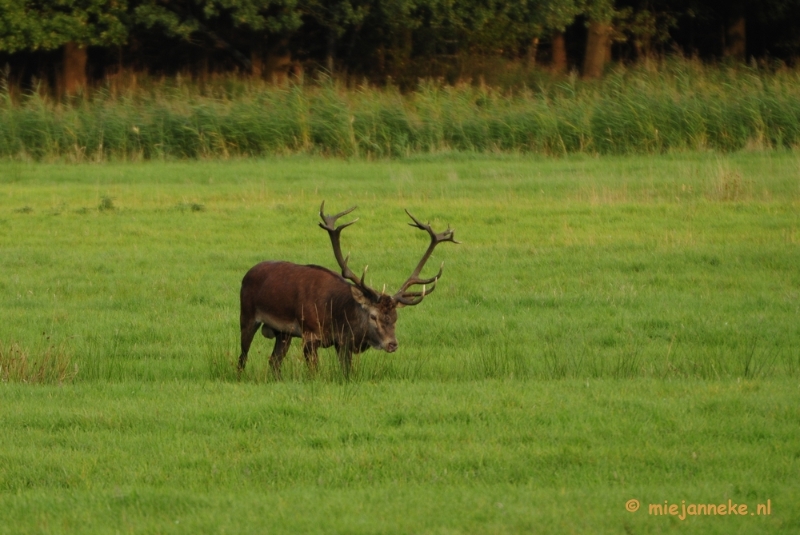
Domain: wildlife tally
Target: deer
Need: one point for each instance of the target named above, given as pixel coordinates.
(324, 308)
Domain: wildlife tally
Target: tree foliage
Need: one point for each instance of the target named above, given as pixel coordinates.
(381, 36)
(183, 18)
(49, 24)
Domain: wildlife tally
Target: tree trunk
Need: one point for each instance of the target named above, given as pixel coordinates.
(559, 53)
(278, 63)
(736, 39)
(331, 51)
(533, 48)
(597, 49)
(257, 64)
(73, 69)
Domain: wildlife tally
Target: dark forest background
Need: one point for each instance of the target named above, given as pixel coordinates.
(67, 45)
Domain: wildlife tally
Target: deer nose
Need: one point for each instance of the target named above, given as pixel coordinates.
(391, 347)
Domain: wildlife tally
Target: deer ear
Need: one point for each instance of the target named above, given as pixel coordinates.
(360, 297)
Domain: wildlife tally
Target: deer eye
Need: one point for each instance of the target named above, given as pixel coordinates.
(373, 317)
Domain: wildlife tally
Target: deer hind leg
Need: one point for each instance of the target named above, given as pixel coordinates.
(310, 353)
(282, 343)
(249, 328)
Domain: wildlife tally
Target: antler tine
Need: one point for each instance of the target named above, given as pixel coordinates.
(413, 280)
(413, 298)
(426, 290)
(436, 239)
(409, 301)
(447, 235)
(329, 222)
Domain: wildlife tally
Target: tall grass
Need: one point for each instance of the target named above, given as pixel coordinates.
(49, 366)
(678, 105)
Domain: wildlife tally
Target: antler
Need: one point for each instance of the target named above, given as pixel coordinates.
(414, 298)
(328, 224)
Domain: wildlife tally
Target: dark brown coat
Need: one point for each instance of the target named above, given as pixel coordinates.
(324, 308)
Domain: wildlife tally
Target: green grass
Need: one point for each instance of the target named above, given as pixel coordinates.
(397, 457)
(668, 267)
(609, 329)
(677, 105)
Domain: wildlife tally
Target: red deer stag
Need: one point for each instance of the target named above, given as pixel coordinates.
(322, 308)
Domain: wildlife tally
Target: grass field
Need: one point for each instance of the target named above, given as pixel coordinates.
(609, 329)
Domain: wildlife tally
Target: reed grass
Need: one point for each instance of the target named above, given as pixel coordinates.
(678, 105)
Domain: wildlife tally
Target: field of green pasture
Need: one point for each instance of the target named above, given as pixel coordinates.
(609, 329)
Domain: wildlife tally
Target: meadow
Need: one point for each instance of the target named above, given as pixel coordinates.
(609, 329)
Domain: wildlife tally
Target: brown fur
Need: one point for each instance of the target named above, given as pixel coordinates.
(317, 305)
(326, 309)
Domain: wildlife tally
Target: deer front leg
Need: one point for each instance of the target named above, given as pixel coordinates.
(345, 353)
(310, 353)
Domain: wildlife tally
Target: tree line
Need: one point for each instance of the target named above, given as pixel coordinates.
(68, 43)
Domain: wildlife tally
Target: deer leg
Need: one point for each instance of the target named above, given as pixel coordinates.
(345, 359)
(310, 353)
(249, 329)
(282, 343)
